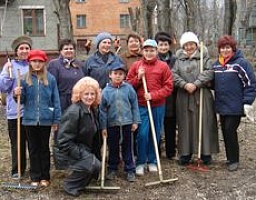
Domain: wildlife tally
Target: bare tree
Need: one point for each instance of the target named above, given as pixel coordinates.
(164, 20)
(134, 18)
(63, 14)
(190, 8)
(229, 16)
(148, 7)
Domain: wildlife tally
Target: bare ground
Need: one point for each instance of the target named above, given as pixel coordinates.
(217, 183)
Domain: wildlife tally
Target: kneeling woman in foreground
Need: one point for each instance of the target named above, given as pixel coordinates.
(78, 136)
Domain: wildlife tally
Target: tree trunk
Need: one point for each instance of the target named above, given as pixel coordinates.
(191, 13)
(164, 16)
(148, 7)
(229, 16)
(63, 14)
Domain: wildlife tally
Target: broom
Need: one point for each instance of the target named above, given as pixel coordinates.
(19, 185)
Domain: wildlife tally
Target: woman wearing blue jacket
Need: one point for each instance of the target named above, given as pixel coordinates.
(98, 65)
(234, 85)
(40, 97)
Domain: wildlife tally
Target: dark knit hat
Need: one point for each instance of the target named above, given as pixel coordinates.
(37, 54)
(102, 36)
(21, 40)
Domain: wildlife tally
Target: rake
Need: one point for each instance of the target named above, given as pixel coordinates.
(160, 173)
(102, 183)
(19, 185)
(199, 164)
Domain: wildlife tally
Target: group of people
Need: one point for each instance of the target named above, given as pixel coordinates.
(82, 102)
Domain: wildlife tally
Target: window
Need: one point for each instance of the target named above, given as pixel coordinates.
(124, 1)
(81, 21)
(124, 21)
(33, 22)
(2, 19)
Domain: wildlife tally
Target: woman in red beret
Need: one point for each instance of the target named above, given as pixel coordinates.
(40, 97)
(234, 85)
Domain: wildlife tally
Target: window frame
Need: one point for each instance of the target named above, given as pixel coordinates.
(80, 1)
(22, 8)
(85, 23)
(124, 1)
(120, 21)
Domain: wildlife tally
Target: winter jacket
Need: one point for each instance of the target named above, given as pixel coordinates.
(129, 58)
(187, 70)
(8, 84)
(66, 76)
(41, 103)
(96, 68)
(119, 106)
(78, 132)
(170, 105)
(159, 81)
(234, 85)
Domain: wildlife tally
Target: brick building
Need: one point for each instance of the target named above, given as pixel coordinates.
(89, 17)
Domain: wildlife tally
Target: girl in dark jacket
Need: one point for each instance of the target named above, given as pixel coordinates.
(234, 85)
(78, 136)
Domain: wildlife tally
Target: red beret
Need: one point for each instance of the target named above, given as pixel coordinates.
(37, 55)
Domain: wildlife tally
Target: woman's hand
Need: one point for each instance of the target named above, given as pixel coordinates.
(17, 91)
(190, 88)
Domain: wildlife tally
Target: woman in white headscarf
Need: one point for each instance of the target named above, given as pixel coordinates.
(189, 80)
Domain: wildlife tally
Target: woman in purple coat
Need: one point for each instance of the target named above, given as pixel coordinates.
(67, 71)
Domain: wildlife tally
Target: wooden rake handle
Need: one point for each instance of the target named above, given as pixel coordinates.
(152, 125)
(18, 126)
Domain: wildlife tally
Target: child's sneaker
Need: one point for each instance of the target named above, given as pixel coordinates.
(131, 176)
(140, 170)
(111, 175)
(152, 167)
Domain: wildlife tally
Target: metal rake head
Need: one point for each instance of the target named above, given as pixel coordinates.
(18, 186)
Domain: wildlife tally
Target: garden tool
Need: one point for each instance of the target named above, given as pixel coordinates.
(102, 184)
(160, 173)
(199, 164)
(19, 185)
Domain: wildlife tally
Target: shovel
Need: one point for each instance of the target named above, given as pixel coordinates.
(160, 173)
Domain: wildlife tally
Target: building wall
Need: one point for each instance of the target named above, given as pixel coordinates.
(13, 25)
(101, 15)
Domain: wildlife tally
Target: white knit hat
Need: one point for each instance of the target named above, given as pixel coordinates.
(188, 37)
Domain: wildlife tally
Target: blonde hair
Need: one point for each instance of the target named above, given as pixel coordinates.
(41, 75)
(82, 85)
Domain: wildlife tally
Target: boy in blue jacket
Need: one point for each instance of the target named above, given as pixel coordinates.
(119, 118)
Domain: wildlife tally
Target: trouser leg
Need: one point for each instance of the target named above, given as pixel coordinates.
(113, 147)
(12, 130)
(127, 149)
(170, 136)
(229, 125)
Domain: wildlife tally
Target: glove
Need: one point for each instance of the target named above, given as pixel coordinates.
(248, 111)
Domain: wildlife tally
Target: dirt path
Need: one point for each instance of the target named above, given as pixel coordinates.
(218, 183)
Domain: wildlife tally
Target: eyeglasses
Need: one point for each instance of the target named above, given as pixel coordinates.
(23, 48)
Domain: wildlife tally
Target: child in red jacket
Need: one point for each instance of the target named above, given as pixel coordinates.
(160, 85)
